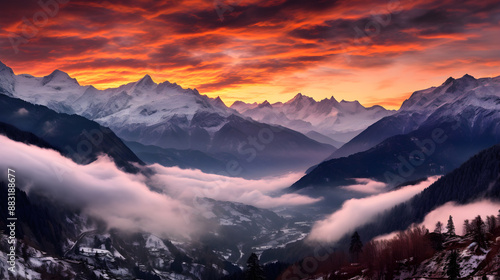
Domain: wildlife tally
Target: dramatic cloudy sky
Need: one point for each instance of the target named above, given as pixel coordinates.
(376, 51)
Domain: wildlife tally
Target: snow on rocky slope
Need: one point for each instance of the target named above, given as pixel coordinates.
(476, 102)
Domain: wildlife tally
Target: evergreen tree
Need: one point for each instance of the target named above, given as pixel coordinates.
(453, 270)
(97, 242)
(491, 223)
(25, 253)
(107, 243)
(467, 228)
(478, 232)
(254, 270)
(439, 228)
(176, 265)
(450, 227)
(356, 246)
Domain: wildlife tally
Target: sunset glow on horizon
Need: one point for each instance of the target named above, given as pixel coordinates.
(376, 52)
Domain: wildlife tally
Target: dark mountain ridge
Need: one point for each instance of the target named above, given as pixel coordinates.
(74, 136)
(430, 136)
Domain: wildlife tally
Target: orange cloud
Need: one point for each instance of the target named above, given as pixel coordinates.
(260, 49)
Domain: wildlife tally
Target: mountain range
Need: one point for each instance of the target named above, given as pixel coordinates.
(476, 179)
(433, 132)
(175, 120)
(327, 121)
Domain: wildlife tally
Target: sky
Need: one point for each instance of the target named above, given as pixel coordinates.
(376, 51)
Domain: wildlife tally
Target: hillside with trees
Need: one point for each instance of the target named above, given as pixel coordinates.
(415, 253)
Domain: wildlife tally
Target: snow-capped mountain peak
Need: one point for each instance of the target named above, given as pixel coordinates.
(327, 117)
(6, 68)
(476, 102)
(140, 102)
(7, 80)
(145, 82)
(300, 99)
(167, 87)
(351, 106)
(463, 83)
(58, 77)
(55, 90)
(464, 90)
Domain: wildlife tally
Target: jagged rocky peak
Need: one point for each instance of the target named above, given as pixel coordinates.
(7, 80)
(300, 99)
(218, 99)
(218, 102)
(297, 97)
(146, 81)
(466, 81)
(6, 73)
(465, 77)
(468, 77)
(449, 81)
(265, 104)
(166, 86)
(4, 67)
(328, 102)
